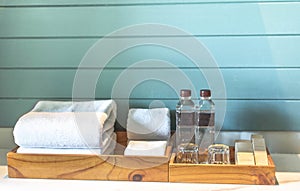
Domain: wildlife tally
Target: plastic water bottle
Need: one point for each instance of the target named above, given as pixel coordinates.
(205, 121)
(185, 119)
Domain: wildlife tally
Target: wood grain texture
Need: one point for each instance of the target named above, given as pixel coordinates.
(118, 167)
(114, 167)
(89, 167)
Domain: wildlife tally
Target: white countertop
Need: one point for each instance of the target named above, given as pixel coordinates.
(287, 174)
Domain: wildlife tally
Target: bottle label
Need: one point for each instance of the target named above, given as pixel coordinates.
(206, 119)
(186, 119)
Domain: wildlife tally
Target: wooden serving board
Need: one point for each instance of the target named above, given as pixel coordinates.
(225, 174)
(90, 167)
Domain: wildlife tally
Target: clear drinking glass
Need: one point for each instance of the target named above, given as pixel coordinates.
(218, 154)
(187, 153)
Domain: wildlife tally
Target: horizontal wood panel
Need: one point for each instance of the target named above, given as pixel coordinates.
(149, 83)
(43, 53)
(202, 19)
(239, 83)
(254, 42)
(119, 2)
(227, 51)
(241, 115)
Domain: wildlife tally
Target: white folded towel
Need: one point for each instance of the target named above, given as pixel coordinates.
(66, 124)
(148, 124)
(146, 148)
(109, 146)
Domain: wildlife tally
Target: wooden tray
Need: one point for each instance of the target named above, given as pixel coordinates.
(226, 174)
(135, 168)
(90, 167)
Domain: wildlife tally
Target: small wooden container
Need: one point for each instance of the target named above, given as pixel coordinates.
(226, 174)
(90, 167)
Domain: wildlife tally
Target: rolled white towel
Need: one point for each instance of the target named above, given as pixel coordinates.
(85, 126)
(109, 146)
(106, 106)
(148, 124)
(146, 148)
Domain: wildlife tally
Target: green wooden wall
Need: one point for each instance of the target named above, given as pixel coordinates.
(255, 44)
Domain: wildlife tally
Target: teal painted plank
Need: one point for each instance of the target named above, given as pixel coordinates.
(255, 51)
(37, 83)
(43, 53)
(118, 2)
(239, 83)
(12, 110)
(241, 115)
(204, 19)
(262, 115)
(227, 51)
(149, 83)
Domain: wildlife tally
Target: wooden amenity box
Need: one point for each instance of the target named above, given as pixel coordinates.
(225, 174)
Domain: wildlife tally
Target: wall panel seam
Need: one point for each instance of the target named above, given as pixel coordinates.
(144, 99)
(151, 36)
(154, 68)
(139, 4)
